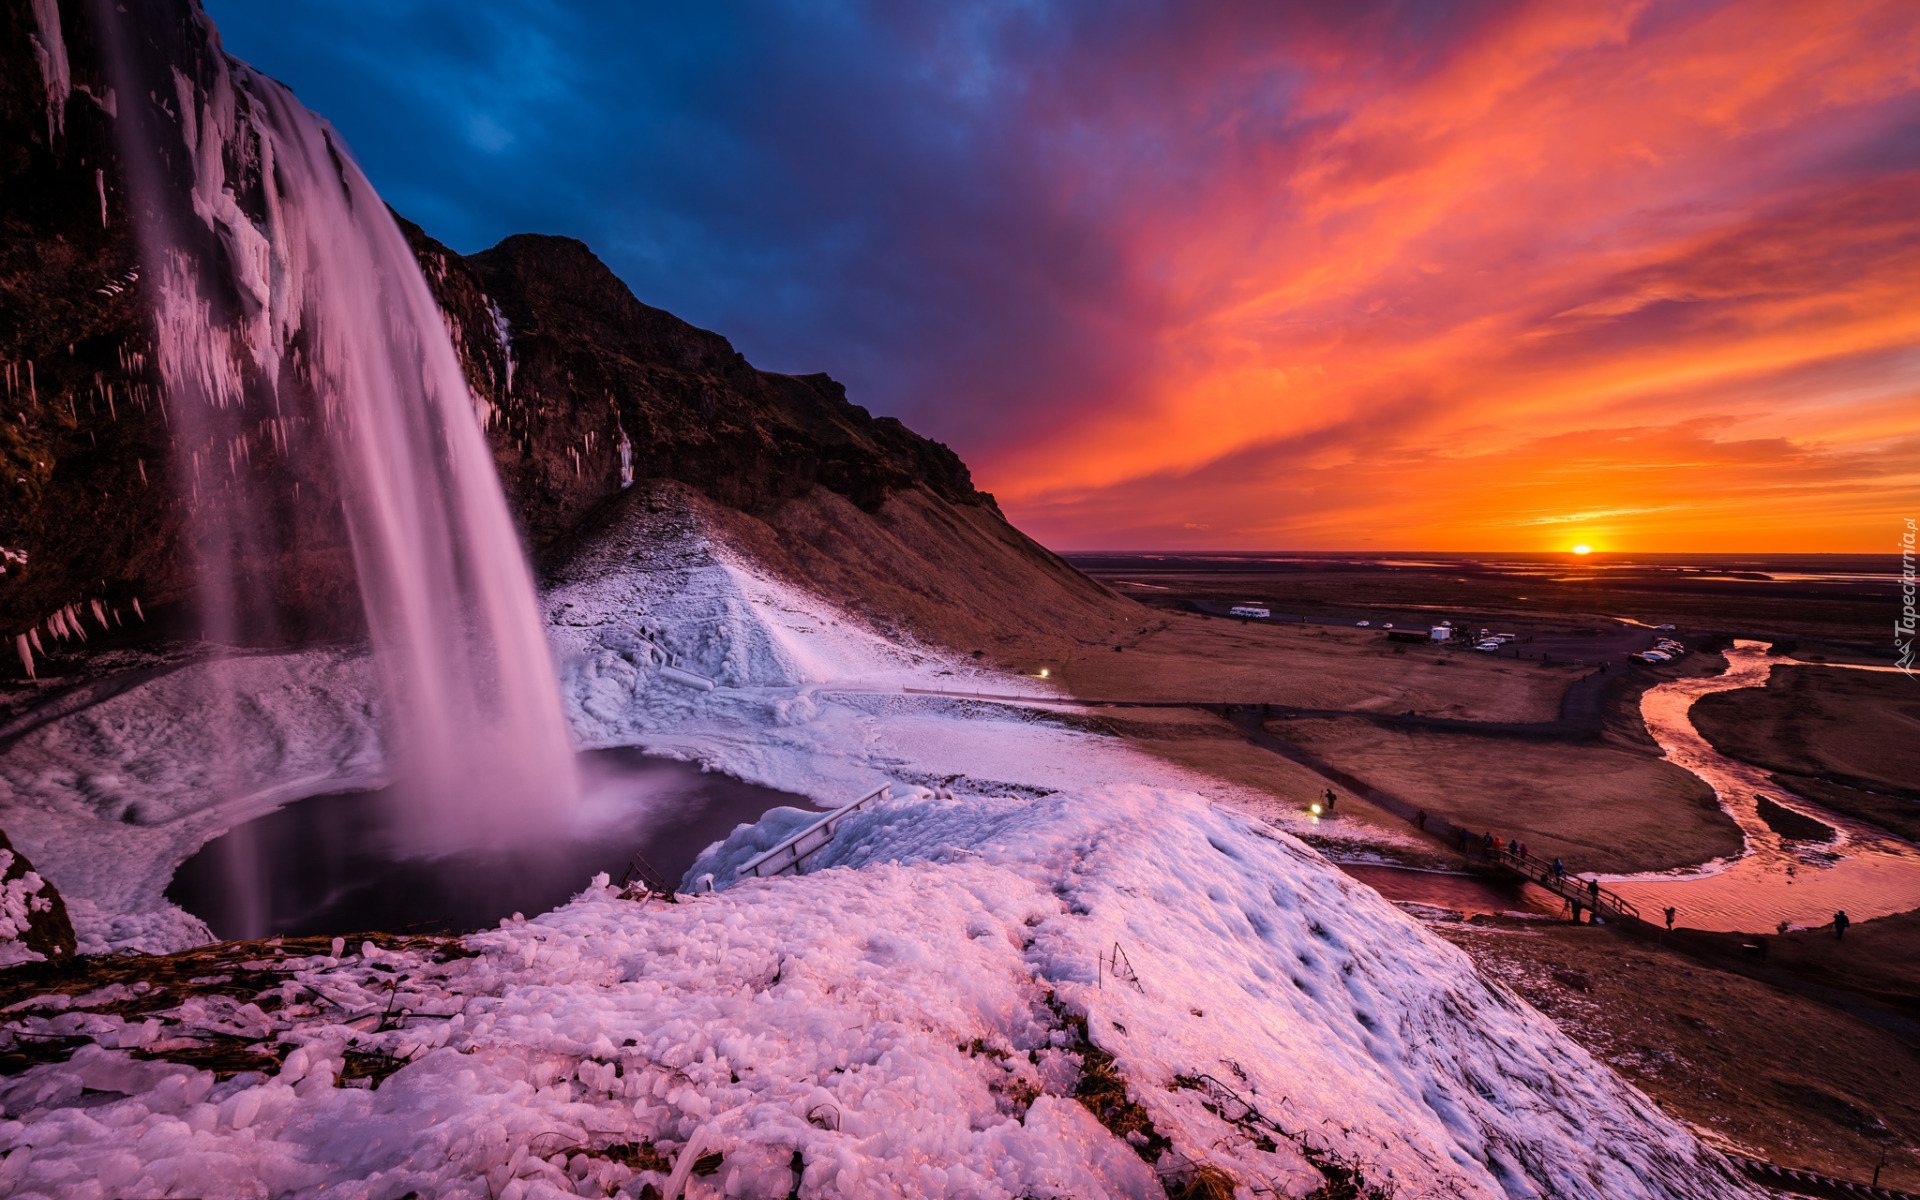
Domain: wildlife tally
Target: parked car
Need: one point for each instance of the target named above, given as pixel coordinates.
(1655, 656)
(1363, 624)
(1488, 647)
(1664, 628)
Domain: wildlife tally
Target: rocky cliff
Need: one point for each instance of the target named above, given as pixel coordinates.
(583, 391)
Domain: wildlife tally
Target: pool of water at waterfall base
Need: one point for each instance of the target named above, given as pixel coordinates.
(325, 864)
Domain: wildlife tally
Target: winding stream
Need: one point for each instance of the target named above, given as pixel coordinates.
(1863, 870)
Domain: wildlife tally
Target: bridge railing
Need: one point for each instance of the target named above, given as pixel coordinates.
(1581, 891)
(792, 855)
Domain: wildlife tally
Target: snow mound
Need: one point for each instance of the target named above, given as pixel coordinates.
(661, 590)
(809, 697)
(1212, 988)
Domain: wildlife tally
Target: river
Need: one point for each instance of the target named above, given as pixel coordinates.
(1863, 870)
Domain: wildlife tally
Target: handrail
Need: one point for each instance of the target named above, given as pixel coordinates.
(789, 855)
(1571, 887)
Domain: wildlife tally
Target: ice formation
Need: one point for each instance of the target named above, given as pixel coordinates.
(50, 52)
(915, 1018)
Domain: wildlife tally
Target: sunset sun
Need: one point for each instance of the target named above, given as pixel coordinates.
(1583, 548)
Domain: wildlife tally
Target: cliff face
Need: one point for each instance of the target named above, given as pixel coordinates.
(583, 386)
(587, 392)
(84, 442)
(583, 391)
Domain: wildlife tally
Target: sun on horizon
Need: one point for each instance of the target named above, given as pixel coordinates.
(1583, 548)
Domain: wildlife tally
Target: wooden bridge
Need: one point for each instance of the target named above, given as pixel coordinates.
(1580, 893)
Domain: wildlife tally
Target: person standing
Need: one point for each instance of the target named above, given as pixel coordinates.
(1668, 913)
(1330, 799)
(1840, 923)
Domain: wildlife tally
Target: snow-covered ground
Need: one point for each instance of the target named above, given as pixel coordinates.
(915, 1018)
(906, 1024)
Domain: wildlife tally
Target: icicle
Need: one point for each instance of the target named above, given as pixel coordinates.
(142, 464)
(58, 624)
(73, 623)
(100, 182)
(26, 654)
(50, 50)
(33, 635)
(136, 609)
(100, 614)
(33, 390)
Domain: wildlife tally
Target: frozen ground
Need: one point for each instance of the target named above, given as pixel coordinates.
(1087, 975)
(1270, 1020)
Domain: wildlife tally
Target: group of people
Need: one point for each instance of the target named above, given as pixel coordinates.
(1494, 847)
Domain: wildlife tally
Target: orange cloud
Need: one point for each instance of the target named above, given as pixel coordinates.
(1635, 272)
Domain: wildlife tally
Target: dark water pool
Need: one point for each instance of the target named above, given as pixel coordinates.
(322, 865)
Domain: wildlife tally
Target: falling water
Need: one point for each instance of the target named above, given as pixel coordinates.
(311, 384)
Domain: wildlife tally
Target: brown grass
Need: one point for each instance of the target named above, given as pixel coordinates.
(244, 971)
(1799, 1083)
(1600, 805)
(1182, 656)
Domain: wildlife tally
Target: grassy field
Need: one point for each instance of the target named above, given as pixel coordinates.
(1187, 657)
(1606, 802)
(1601, 805)
(1842, 619)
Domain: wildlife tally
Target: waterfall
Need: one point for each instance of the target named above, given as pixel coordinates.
(312, 387)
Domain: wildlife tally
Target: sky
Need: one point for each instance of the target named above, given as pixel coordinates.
(1486, 275)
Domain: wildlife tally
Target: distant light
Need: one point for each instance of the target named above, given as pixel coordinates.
(1583, 548)
(1316, 810)
(1043, 672)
